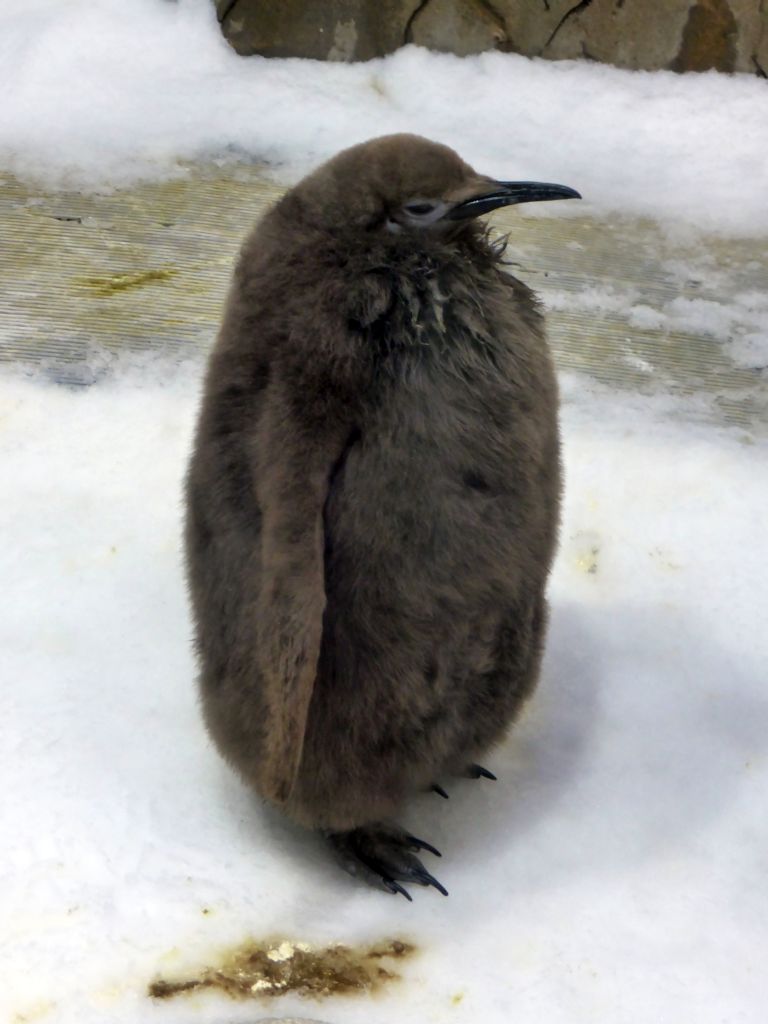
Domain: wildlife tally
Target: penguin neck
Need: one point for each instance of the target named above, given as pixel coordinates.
(416, 256)
(437, 297)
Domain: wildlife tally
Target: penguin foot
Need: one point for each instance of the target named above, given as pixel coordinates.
(381, 855)
(476, 771)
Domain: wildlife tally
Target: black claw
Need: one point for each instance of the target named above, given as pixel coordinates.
(476, 771)
(395, 887)
(426, 879)
(440, 791)
(419, 844)
(378, 854)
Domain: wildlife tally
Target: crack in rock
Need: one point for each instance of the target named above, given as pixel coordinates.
(408, 33)
(568, 14)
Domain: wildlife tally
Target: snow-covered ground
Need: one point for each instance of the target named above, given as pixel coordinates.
(102, 92)
(615, 872)
(616, 869)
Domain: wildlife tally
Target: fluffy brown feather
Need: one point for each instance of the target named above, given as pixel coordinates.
(373, 496)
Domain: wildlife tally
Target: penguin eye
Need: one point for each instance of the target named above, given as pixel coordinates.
(417, 214)
(419, 208)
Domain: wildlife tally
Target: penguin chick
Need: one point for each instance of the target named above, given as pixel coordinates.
(372, 500)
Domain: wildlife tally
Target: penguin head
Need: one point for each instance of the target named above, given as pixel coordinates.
(400, 184)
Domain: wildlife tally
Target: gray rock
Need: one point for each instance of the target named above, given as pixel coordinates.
(681, 35)
(338, 30)
(760, 56)
(530, 25)
(457, 26)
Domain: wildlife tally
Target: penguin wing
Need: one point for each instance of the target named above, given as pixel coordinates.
(294, 465)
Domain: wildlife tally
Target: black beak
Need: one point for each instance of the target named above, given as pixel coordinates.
(509, 193)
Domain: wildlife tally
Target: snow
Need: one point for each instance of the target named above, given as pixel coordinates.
(741, 321)
(745, 320)
(738, 319)
(99, 93)
(616, 870)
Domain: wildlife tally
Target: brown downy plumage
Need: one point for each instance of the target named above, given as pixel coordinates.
(373, 496)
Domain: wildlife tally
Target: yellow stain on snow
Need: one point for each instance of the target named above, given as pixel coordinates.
(34, 1012)
(170, 956)
(586, 546)
(275, 968)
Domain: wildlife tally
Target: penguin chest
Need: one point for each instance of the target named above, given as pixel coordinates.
(444, 478)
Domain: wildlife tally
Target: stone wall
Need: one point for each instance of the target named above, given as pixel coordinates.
(681, 35)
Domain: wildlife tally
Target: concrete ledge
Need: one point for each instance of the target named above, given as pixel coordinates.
(90, 278)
